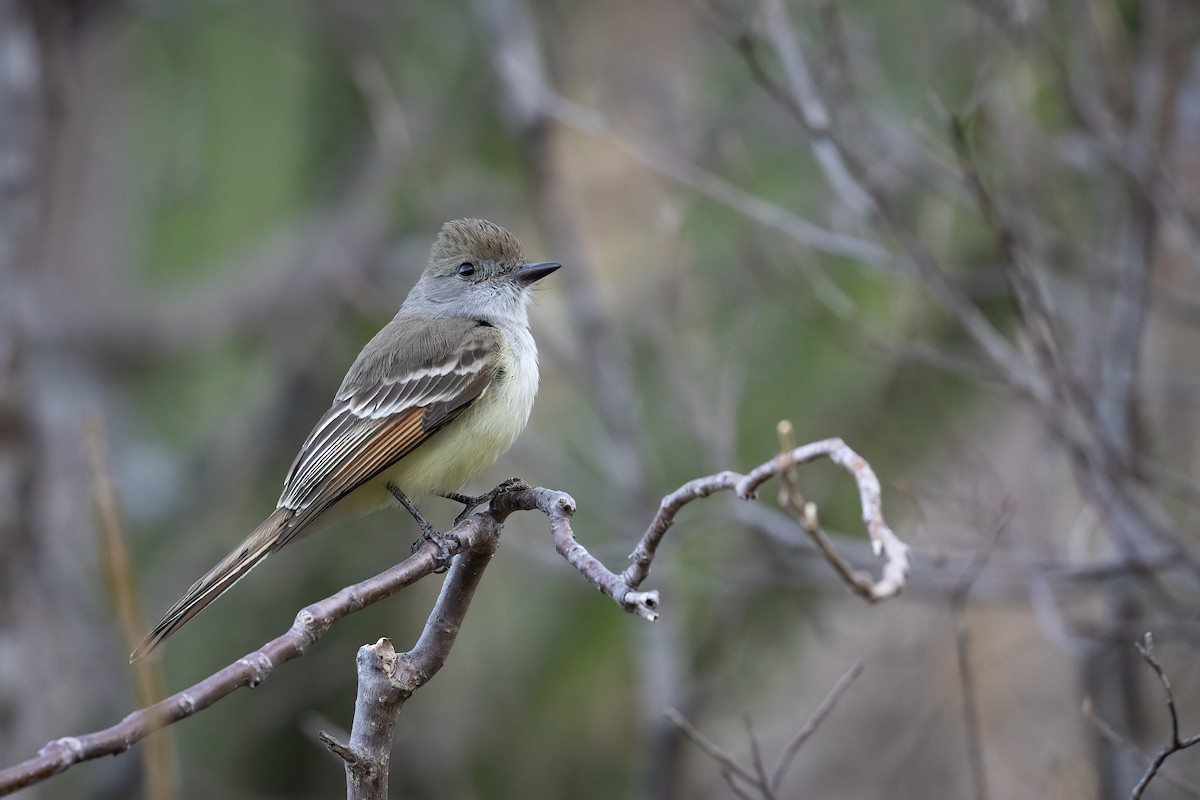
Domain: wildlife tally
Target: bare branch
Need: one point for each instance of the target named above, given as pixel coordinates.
(337, 748)
(159, 766)
(756, 759)
(883, 541)
(813, 114)
(1107, 731)
(1155, 763)
(805, 514)
(1146, 648)
(962, 650)
(722, 191)
(838, 165)
(618, 587)
(814, 722)
(916, 261)
(477, 533)
(729, 765)
(766, 786)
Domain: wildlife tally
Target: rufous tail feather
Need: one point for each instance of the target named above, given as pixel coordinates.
(218, 580)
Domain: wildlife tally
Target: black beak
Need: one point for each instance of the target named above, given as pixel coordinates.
(531, 273)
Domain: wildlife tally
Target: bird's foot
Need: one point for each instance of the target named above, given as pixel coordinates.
(471, 503)
(446, 542)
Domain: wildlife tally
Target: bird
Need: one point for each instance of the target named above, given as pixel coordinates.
(437, 396)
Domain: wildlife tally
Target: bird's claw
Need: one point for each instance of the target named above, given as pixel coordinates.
(446, 543)
(470, 503)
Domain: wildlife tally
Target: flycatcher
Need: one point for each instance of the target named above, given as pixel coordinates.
(436, 397)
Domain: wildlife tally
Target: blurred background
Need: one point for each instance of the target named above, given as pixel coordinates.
(961, 236)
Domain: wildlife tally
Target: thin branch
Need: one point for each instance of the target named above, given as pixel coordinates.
(962, 650)
(814, 722)
(340, 750)
(756, 759)
(812, 112)
(159, 765)
(843, 173)
(617, 587)
(1110, 734)
(1146, 648)
(720, 190)
(916, 262)
(728, 763)
(1026, 289)
(883, 541)
(766, 786)
(805, 514)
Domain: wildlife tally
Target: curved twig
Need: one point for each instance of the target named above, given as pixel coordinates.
(883, 541)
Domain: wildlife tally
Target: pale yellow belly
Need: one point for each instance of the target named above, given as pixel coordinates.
(454, 455)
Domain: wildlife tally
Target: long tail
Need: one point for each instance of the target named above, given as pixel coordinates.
(232, 568)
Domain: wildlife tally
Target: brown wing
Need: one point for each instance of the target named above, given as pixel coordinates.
(371, 427)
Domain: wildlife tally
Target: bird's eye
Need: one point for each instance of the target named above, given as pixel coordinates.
(466, 269)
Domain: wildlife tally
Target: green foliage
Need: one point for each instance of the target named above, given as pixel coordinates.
(225, 141)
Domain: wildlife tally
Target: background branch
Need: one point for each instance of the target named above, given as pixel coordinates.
(747, 782)
(159, 765)
(1175, 743)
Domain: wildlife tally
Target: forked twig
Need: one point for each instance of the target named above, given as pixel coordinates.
(1146, 648)
(756, 778)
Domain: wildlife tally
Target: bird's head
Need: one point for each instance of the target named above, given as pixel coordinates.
(476, 269)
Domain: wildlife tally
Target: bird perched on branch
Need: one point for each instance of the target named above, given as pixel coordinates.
(436, 397)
